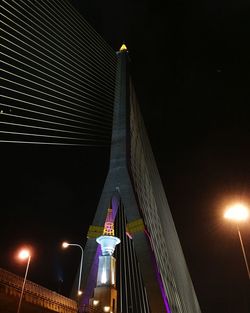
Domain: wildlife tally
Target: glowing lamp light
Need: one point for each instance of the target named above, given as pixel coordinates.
(106, 309)
(95, 302)
(65, 244)
(237, 212)
(24, 254)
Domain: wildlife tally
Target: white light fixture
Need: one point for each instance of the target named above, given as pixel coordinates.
(239, 213)
(65, 245)
(23, 255)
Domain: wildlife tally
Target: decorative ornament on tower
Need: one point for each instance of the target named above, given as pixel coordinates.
(105, 293)
(108, 241)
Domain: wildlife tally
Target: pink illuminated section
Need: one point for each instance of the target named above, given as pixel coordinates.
(109, 225)
(128, 234)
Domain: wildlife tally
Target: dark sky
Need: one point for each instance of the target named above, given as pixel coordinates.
(191, 70)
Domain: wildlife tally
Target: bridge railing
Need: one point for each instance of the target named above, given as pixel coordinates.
(35, 293)
(85, 308)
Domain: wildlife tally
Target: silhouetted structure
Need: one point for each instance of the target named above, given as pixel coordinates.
(152, 272)
(36, 299)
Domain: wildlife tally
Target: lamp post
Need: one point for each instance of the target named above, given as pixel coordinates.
(239, 213)
(66, 245)
(23, 255)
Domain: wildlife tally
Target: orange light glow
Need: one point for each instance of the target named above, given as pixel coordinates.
(95, 302)
(65, 244)
(238, 212)
(24, 254)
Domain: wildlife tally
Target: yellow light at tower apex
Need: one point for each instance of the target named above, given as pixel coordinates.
(123, 47)
(237, 212)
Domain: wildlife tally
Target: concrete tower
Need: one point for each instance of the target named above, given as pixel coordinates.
(152, 275)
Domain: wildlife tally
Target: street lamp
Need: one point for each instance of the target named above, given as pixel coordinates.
(23, 255)
(66, 245)
(239, 213)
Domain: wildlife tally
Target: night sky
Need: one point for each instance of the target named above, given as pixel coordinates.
(191, 71)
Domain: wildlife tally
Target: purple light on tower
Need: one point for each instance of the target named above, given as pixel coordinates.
(91, 283)
(164, 297)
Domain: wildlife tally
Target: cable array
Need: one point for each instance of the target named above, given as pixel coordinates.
(132, 292)
(57, 76)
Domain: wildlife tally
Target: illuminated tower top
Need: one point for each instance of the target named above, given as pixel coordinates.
(109, 225)
(123, 48)
(108, 241)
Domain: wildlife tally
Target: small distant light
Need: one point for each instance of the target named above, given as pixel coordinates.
(24, 254)
(123, 48)
(128, 234)
(79, 292)
(106, 309)
(65, 244)
(237, 212)
(95, 302)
